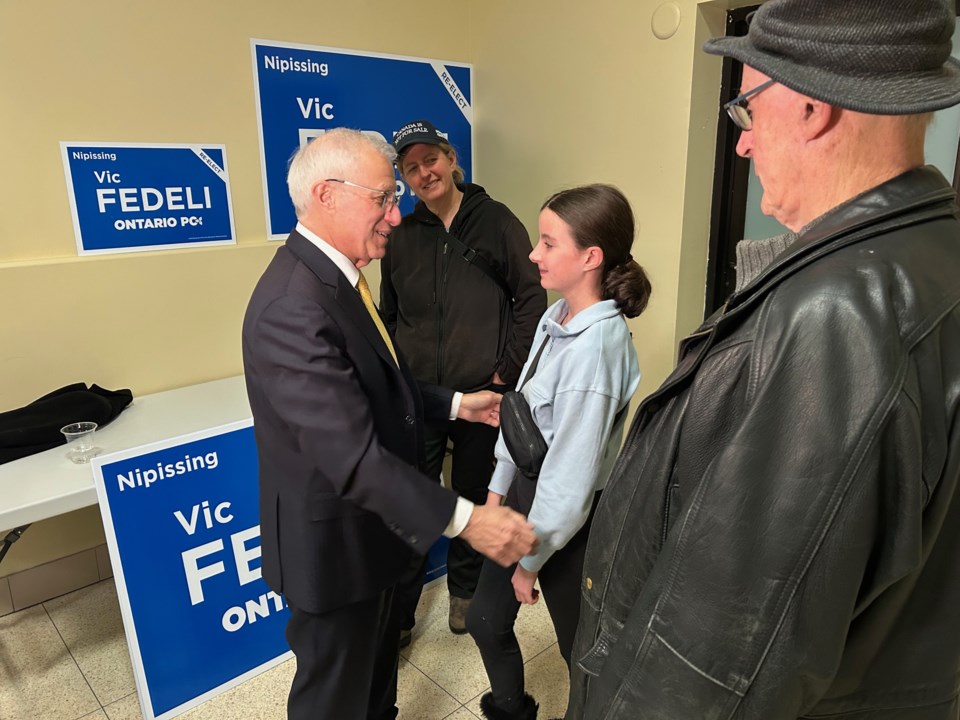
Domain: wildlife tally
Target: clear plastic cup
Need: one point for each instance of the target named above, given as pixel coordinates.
(79, 437)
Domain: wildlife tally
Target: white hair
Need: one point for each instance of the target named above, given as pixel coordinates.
(329, 155)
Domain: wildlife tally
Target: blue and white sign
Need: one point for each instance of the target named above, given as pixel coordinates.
(128, 197)
(302, 90)
(182, 524)
(437, 560)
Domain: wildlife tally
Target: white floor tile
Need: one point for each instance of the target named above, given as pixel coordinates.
(89, 621)
(420, 698)
(44, 677)
(461, 714)
(263, 697)
(546, 679)
(453, 661)
(96, 715)
(127, 708)
(38, 678)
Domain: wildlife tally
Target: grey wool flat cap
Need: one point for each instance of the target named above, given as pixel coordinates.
(883, 57)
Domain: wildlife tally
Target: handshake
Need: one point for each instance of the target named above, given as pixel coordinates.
(501, 534)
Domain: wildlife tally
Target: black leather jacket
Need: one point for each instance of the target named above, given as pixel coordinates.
(781, 534)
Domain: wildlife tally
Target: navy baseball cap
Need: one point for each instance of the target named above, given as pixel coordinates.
(418, 131)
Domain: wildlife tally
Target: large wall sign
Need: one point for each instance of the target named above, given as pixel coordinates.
(302, 90)
(129, 197)
(182, 524)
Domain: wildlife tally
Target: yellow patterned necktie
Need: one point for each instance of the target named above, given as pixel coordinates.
(367, 298)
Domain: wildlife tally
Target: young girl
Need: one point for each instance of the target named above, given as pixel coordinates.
(584, 376)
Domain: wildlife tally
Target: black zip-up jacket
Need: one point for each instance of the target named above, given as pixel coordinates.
(780, 536)
(453, 323)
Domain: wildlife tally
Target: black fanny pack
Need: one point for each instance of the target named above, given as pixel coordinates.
(521, 435)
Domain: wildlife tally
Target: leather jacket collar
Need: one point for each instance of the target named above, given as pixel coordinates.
(890, 205)
(917, 195)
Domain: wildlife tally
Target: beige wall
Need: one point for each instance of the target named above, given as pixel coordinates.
(115, 70)
(573, 92)
(567, 92)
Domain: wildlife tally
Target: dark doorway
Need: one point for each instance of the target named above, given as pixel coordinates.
(730, 181)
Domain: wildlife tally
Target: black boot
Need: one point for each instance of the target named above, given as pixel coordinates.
(527, 711)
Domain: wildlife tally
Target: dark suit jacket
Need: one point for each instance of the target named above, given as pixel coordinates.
(339, 435)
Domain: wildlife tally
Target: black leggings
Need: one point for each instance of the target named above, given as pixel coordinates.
(494, 609)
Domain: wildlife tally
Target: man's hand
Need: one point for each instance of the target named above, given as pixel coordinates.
(523, 588)
(501, 534)
(483, 406)
(496, 379)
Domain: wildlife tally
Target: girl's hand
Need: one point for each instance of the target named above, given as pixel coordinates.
(494, 498)
(523, 586)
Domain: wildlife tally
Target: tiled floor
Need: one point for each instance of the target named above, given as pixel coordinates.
(67, 659)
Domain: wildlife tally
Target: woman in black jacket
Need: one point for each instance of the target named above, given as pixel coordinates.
(463, 299)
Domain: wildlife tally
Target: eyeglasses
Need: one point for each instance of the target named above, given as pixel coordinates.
(737, 108)
(386, 199)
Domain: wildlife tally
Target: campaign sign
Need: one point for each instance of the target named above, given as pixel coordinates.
(437, 560)
(303, 90)
(182, 524)
(129, 197)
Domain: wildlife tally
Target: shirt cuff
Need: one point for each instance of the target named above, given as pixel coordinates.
(532, 563)
(503, 477)
(461, 516)
(455, 410)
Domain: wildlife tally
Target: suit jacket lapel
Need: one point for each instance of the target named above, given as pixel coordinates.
(346, 296)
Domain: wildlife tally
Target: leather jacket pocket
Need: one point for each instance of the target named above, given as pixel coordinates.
(592, 663)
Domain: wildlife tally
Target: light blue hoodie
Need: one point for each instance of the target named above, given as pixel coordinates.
(587, 373)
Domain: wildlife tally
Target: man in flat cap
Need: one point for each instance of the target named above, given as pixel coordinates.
(781, 537)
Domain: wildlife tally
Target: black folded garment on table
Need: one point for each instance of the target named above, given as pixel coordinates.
(36, 427)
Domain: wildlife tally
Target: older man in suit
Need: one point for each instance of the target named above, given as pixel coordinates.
(338, 423)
